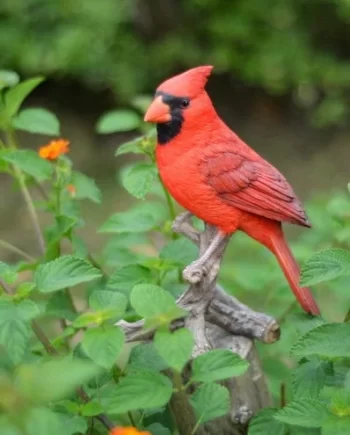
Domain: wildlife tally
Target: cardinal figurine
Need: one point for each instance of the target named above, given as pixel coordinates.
(217, 177)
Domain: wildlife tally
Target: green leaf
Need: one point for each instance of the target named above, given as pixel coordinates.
(7, 274)
(64, 272)
(73, 424)
(86, 187)
(28, 310)
(37, 120)
(155, 304)
(336, 426)
(210, 401)
(139, 178)
(181, 252)
(139, 390)
(91, 409)
(41, 421)
(15, 96)
(29, 162)
(118, 121)
(158, 429)
(329, 341)
(8, 79)
(142, 218)
(303, 412)
(103, 344)
(14, 336)
(145, 357)
(174, 347)
(216, 365)
(265, 424)
(309, 378)
(101, 299)
(125, 278)
(325, 266)
(133, 146)
(53, 380)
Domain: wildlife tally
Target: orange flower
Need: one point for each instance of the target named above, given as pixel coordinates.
(71, 189)
(127, 431)
(54, 149)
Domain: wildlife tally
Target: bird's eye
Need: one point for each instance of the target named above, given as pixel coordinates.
(185, 102)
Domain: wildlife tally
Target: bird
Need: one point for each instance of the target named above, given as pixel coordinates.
(212, 173)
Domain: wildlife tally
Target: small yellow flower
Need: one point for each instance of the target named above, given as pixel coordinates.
(54, 149)
(127, 431)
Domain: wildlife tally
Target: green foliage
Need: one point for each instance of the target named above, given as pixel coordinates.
(64, 272)
(139, 178)
(210, 401)
(217, 365)
(174, 347)
(264, 423)
(304, 412)
(329, 341)
(39, 121)
(118, 121)
(139, 389)
(326, 265)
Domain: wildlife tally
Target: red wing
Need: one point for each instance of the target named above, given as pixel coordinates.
(253, 186)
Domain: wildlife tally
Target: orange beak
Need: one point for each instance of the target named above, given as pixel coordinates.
(158, 112)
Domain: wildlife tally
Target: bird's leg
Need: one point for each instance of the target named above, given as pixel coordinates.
(195, 271)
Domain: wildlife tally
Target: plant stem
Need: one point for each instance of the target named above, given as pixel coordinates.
(6, 288)
(131, 418)
(31, 209)
(16, 250)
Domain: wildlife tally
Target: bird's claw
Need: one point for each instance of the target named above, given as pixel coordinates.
(194, 273)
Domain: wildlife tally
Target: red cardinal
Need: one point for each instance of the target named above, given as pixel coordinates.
(213, 174)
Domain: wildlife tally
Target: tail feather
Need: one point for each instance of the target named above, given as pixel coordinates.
(291, 271)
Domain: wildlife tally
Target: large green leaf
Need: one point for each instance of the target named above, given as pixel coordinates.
(15, 96)
(125, 278)
(41, 421)
(37, 120)
(265, 424)
(53, 380)
(142, 218)
(145, 357)
(308, 379)
(329, 341)
(217, 365)
(103, 344)
(181, 252)
(63, 272)
(29, 162)
(139, 390)
(85, 187)
(138, 179)
(155, 304)
(14, 336)
(118, 121)
(102, 299)
(325, 265)
(174, 347)
(303, 412)
(158, 429)
(210, 401)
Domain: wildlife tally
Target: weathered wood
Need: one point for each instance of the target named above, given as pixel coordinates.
(218, 320)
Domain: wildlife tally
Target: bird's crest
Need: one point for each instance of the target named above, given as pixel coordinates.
(188, 84)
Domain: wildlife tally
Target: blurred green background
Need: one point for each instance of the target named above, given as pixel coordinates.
(281, 81)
